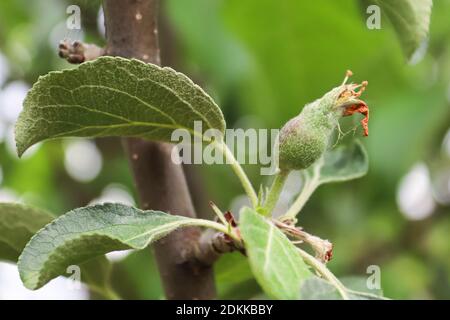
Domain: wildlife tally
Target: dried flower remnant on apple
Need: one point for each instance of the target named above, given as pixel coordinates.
(305, 138)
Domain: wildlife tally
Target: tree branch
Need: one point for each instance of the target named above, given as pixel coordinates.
(212, 245)
(132, 31)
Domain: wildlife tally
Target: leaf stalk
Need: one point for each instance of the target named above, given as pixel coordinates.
(239, 171)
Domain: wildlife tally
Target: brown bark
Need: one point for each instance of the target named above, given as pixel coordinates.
(132, 32)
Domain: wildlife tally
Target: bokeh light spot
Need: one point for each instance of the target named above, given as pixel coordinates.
(82, 160)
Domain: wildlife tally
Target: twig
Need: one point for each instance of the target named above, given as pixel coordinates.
(213, 244)
(79, 52)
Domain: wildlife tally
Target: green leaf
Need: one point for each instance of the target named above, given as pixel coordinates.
(411, 20)
(343, 163)
(113, 96)
(274, 260)
(234, 277)
(358, 283)
(18, 223)
(88, 232)
(232, 268)
(316, 288)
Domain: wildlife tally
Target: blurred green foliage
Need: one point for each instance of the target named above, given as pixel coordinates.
(263, 60)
